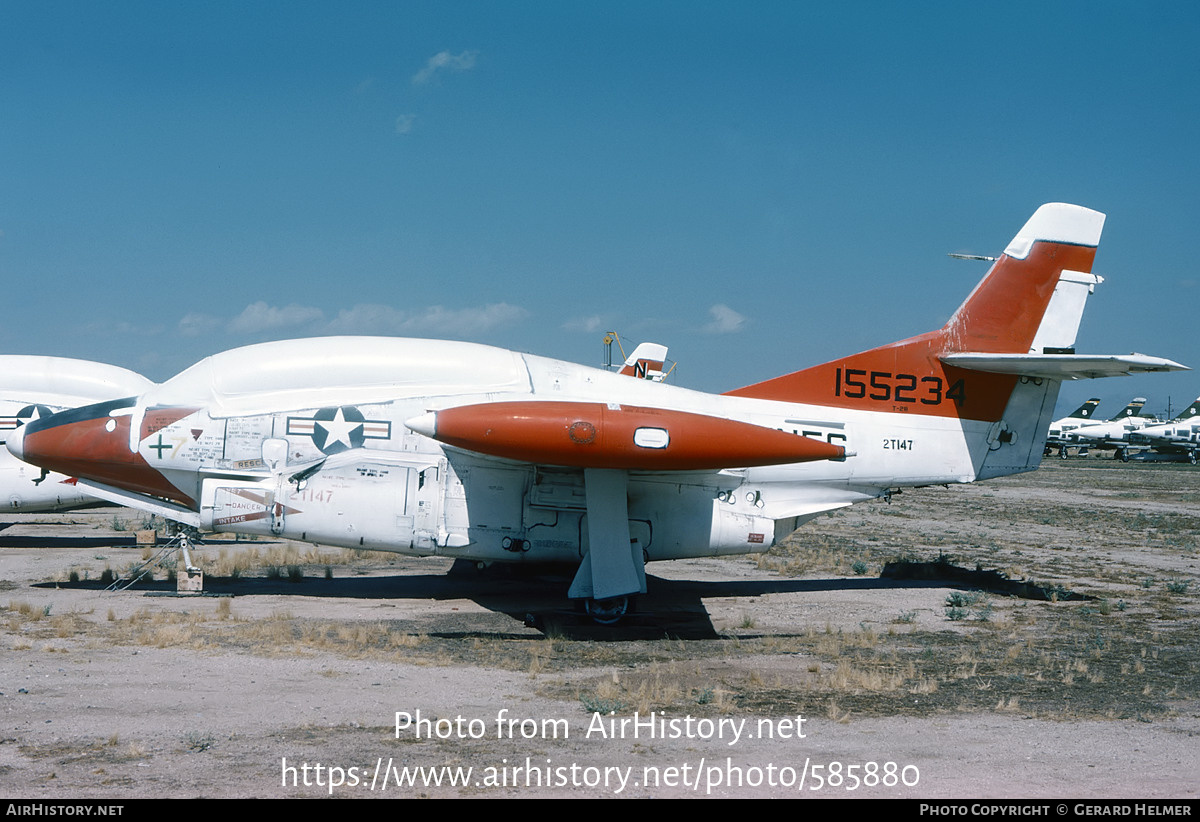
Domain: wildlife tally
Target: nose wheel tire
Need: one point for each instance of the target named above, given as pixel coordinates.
(607, 611)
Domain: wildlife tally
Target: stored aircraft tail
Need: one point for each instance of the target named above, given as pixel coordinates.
(1020, 321)
(999, 359)
(1188, 413)
(646, 362)
(1134, 409)
(1085, 411)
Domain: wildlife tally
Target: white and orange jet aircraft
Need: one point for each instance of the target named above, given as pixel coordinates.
(430, 447)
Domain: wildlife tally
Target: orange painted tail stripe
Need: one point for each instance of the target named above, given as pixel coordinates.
(1001, 315)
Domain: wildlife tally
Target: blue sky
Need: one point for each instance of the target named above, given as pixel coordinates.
(759, 186)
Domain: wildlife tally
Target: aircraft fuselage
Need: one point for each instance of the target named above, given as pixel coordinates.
(355, 475)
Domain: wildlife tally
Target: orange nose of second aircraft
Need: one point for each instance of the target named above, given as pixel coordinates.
(92, 443)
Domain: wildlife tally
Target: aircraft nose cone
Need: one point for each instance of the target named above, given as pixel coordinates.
(426, 424)
(16, 443)
(71, 442)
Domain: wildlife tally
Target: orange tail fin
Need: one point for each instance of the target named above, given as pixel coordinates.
(1018, 306)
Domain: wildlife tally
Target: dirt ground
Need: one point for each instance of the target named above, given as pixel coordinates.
(803, 672)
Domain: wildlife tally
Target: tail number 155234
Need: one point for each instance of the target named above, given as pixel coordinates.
(884, 386)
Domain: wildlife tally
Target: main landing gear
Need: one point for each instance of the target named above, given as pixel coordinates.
(614, 566)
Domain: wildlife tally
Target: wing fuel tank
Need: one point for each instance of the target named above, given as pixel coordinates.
(608, 435)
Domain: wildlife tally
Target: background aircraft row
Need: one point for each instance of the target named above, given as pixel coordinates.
(1126, 432)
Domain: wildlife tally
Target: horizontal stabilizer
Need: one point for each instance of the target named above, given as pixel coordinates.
(1062, 366)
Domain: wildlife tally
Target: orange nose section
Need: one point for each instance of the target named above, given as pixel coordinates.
(93, 444)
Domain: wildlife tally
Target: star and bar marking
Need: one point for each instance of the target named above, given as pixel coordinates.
(27, 414)
(338, 429)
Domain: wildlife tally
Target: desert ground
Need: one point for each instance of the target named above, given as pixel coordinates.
(863, 657)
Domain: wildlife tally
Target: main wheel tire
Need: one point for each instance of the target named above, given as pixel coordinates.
(607, 611)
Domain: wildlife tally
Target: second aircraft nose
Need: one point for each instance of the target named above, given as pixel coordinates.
(16, 443)
(93, 443)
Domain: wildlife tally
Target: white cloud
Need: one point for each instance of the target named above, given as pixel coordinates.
(194, 324)
(366, 318)
(123, 328)
(590, 325)
(444, 60)
(262, 317)
(468, 320)
(724, 320)
(383, 319)
(405, 123)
